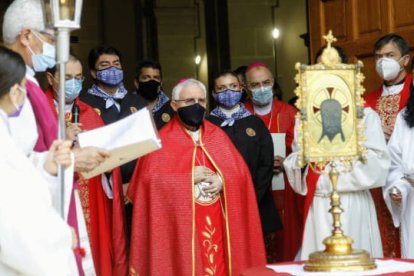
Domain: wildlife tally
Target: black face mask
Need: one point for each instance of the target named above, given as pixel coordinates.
(192, 115)
(149, 89)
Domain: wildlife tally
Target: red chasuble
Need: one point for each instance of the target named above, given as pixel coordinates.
(104, 217)
(166, 221)
(388, 108)
(290, 204)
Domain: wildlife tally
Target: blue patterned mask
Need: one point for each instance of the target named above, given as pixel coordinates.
(72, 89)
(262, 95)
(228, 98)
(111, 76)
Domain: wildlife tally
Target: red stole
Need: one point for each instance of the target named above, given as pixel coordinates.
(163, 240)
(47, 127)
(104, 218)
(372, 98)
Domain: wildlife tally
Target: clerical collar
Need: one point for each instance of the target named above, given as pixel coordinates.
(68, 107)
(263, 110)
(195, 134)
(30, 73)
(392, 89)
(229, 112)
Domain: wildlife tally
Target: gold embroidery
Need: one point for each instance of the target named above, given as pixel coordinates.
(84, 199)
(210, 247)
(133, 272)
(388, 108)
(98, 111)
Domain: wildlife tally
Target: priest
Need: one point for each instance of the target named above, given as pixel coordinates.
(101, 197)
(195, 211)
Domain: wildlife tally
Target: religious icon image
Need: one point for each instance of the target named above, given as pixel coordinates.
(330, 139)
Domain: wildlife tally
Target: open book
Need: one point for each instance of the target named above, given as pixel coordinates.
(126, 139)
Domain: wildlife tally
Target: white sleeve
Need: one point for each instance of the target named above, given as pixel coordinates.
(373, 172)
(396, 172)
(292, 170)
(34, 239)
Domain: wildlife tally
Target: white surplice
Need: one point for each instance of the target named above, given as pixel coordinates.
(34, 240)
(359, 219)
(401, 150)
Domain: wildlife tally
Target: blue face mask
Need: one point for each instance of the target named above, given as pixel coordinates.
(228, 98)
(111, 76)
(19, 108)
(72, 89)
(47, 59)
(262, 95)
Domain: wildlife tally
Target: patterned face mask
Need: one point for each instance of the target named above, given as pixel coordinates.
(111, 76)
(228, 98)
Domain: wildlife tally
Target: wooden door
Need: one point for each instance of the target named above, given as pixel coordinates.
(358, 24)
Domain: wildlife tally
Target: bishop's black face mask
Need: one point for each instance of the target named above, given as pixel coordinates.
(149, 89)
(192, 115)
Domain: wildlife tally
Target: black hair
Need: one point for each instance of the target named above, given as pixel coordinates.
(409, 111)
(341, 52)
(96, 52)
(12, 70)
(225, 73)
(398, 40)
(72, 58)
(241, 70)
(148, 63)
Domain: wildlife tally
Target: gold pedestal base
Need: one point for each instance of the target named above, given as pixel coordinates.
(357, 260)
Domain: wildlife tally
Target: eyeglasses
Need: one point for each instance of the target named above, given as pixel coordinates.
(254, 85)
(192, 101)
(232, 86)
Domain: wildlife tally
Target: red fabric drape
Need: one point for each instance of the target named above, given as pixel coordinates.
(163, 241)
(104, 218)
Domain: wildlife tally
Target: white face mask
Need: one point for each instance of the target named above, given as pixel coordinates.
(388, 68)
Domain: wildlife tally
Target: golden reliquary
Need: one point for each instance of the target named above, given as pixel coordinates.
(330, 139)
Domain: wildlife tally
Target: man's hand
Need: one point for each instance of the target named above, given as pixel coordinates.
(278, 164)
(215, 187)
(72, 131)
(86, 159)
(396, 198)
(59, 154)
(387, 132)
(201, 173)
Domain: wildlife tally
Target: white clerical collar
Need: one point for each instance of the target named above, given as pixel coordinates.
(263, 110)
(229, 112)
(195, 134)
(392, 89)
(30, 74)
(68, 107)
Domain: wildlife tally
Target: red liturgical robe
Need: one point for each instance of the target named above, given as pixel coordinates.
(282, 120)
(166, 219)
(104, 218)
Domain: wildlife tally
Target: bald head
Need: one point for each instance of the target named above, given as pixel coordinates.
(258, 76)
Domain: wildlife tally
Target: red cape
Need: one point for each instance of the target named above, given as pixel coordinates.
(372, 97)
(162, 239)
(283, 121)
(105, 221)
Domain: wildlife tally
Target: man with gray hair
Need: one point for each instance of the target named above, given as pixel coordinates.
(197, 195)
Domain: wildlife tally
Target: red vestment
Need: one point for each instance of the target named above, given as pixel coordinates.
(282, 120)
(104, 217)
(388, 108)
(164, 237)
